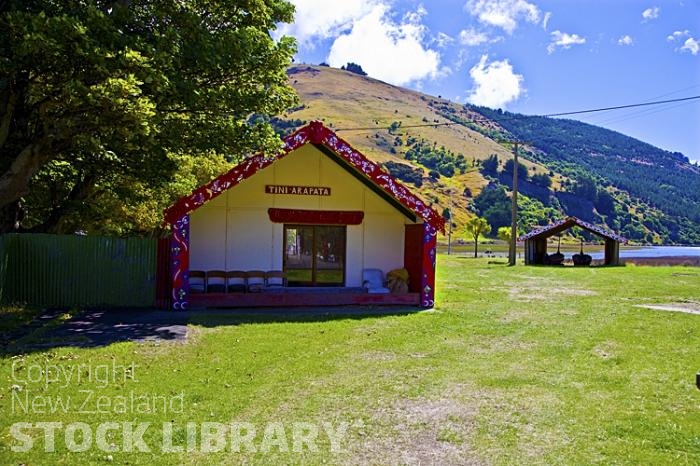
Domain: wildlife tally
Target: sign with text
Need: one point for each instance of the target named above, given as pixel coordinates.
(298, 190)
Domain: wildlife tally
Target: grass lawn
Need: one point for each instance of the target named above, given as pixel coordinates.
(522, 365)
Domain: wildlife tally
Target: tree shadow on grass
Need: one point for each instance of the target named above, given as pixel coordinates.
(98, 328)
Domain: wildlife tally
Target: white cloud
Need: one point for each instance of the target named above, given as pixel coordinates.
(503, 13)
(321, 19)
(462, 57)
(625, 40)
(690, 44)
(545, 20)
(678, 35)
(564, 40)
(392, 52)
(651, 13)
(472, 37)
(443, 40)
(495, 83)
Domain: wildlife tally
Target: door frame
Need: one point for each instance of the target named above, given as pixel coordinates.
(314, 254)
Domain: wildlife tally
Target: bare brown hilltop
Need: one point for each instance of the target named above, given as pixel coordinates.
(362, 109)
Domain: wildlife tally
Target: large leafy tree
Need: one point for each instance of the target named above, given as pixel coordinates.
(101, 100)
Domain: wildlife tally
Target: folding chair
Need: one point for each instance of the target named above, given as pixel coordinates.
(216, 281)
(373, 281)
(275, 279)
(197, 281)
(236, 281)
(256, 281)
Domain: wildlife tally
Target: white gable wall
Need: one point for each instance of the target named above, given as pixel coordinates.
(234, 231)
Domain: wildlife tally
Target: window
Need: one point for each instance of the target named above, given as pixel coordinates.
(314, 255)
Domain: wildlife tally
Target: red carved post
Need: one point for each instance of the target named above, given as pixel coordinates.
(427, 289)
(180, 262)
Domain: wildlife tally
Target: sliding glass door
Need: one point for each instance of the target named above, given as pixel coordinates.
(314, 255)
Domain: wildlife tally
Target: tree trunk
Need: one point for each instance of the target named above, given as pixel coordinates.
(11, 216)
(8, 103)
(476, 245)
(82, 190)
(15, 181)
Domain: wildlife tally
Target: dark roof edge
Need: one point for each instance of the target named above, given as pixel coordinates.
(570, 222)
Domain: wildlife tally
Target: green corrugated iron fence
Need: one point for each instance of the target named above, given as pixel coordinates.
(67, 270)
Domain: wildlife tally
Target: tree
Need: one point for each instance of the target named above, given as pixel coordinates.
(504, 234)
(605, 203)
(446, 214)
(102, 100)
(494, 205)
(394, 127)
(446, 169)
(354, 68)
(586, 187)
(541, 179)
(477, 226)
(405, 172)
(522, 169)
(490, 165)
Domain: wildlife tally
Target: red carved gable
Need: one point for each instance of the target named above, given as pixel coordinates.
(313, 133)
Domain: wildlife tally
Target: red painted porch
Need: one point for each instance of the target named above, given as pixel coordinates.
(291, 297)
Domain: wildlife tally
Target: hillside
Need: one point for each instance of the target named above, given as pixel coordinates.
(449, 154)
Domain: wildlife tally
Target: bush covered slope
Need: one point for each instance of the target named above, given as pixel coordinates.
(664, 181)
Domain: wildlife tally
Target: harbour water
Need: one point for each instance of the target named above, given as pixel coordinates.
(653, 251)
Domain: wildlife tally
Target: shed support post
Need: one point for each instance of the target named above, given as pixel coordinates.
(612, 252)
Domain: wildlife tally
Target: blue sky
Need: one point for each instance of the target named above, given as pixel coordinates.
(535, 57)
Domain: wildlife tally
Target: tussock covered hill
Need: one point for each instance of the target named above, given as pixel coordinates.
(455, 155)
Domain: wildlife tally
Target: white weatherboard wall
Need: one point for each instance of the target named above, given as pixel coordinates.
(234, 231)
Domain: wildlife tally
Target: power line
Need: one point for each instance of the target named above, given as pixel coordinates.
(619, 107)
(550, 115)
(645, 112)
(638, 114)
